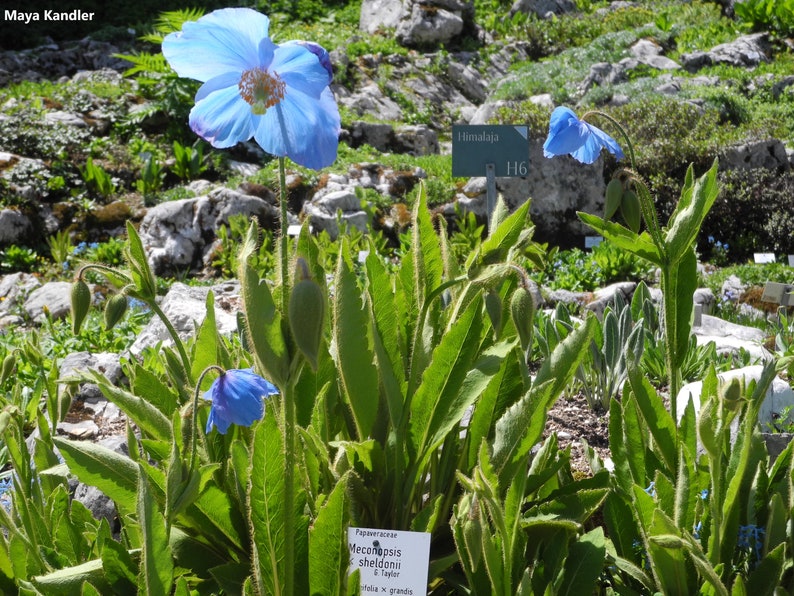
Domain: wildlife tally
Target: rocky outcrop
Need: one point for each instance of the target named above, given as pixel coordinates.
(419, 23)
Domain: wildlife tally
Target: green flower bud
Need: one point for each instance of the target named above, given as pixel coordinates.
(115, 308)
(493, 306)
(81, 302)
(630, 210)
(306, 317)
(731, 393)
(522, 311)
(614, 197)
(8, 367)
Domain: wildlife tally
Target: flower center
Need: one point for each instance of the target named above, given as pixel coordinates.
(261, 89)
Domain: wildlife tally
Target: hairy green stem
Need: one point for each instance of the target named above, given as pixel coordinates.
(174, 335)
(288, 405)
(670, 338)
(151, 303)
(196, 393)
(288, 411)
(284, 240)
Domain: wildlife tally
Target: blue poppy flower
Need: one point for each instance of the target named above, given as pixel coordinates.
(237, 398)
(570, 136)
(277, 94)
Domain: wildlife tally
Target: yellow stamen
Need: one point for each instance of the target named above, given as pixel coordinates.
(261, 89)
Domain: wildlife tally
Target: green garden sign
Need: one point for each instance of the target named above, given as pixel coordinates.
(490, 151)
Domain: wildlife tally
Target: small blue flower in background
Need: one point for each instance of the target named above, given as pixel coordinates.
(751, 537)
(237, 398)
(278, 94)
(570, 136)
(697, 530)
(6, 486)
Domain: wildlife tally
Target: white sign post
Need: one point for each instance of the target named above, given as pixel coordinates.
(391, 562)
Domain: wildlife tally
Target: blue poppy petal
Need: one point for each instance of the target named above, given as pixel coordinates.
(570, 136)
(595, 141)
(300, 69)
(322, 55)
(266, 51)
(561, 118)
(606, 141)
(222, 41)
(226, 80)
(302, 128)
(219, 422)
(237, 398)
(223, 118)
(564, 141)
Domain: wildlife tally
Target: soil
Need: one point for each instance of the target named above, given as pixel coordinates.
(574, 421)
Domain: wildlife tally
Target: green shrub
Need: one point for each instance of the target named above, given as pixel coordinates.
(754, 213)
(767, 15)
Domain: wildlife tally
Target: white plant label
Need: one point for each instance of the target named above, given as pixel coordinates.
(391, 562)
(764, 257)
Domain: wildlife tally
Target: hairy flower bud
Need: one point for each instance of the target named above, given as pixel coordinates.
(522, 310)
(731, 393)
(630, 210)
(306, 318)
(115, 308)
(80, 303)
(614, 197)
(493, 306)
(8, 367)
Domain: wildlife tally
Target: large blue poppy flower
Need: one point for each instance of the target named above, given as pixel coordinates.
(278, 94)
(570, 136)
(237, 398)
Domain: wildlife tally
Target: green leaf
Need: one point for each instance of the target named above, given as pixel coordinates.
(143, 413)
(263, 321)
(667, 553)
(522, 425)
(141, 273)
(584, 564)
(328, 544)
(637, 244)
(389, 344)
(118, 567)
(447, 389)
(619, 447)
(208, 348)
(69, 581)
(114, 474)
(768, 574)
(695, 202)
(427, 259)
(355, 360)
(503, 389)
(266, 505)
(496, 246)
(658, 419)
(620, 524)
(157, 565)
(152, 389)
(683, 280)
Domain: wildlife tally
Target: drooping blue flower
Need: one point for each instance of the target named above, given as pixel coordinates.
(277, 94)
(570, 136)
(237, 398)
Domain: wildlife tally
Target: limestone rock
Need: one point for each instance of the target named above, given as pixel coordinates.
(746, 51)
(779, 397)
(53, 296)
(185, 307)
(377, 15)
